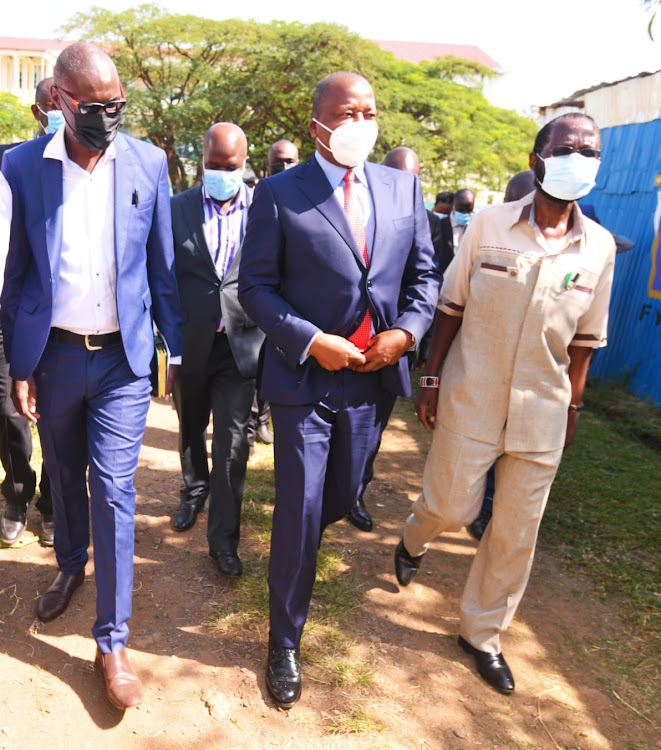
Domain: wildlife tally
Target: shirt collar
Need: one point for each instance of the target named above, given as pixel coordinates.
(335, 174)
(240, 202)
(524, 210)
(56, 149)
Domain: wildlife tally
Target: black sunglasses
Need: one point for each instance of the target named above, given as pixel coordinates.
(113, 107)
(589, 153)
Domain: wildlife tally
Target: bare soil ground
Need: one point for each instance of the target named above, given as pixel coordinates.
(396, 678)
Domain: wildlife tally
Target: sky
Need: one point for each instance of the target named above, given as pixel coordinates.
(547, 50)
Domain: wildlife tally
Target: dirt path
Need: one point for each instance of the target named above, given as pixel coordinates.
(398, 673)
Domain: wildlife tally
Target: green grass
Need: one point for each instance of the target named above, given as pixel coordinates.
(603, 513)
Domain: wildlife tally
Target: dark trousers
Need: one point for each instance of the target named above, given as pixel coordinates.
(223, 392)
(93, 415)
(320, 456)
(16, 450)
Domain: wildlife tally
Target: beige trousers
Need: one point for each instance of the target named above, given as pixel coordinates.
(453, 488)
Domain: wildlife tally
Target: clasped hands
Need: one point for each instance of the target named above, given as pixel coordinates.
(337, 353)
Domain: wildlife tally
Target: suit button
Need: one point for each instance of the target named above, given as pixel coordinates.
(369, 284)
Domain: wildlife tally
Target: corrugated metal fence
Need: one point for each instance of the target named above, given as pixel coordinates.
(625, 200)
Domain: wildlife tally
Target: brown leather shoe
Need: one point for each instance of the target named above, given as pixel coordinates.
(54, 601)
(122, 684)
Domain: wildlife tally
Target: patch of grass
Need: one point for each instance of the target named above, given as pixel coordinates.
(603, 513)
(356, 721)
(641, 419)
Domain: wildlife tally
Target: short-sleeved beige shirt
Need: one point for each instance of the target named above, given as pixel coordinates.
(523, 304)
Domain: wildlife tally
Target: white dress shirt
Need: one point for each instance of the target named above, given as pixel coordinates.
(85, 300)
(5, 224)
(457, 232)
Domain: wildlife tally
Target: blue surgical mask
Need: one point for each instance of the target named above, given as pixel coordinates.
(55, 120)
(462, 219)
(441, 216)
(222, 185)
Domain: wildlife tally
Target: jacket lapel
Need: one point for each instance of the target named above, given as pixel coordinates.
(194, 216)
(52, 191)
(380, 187)
(124, 195)
(317, 189)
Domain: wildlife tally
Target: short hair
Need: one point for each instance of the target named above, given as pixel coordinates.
(544, 135)
(327, 83)
(79, 59)
(465, 194)
(42, 92)
(445, 197)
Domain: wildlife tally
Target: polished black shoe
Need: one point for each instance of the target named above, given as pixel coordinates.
(12, 524)
(406, 566)
(56, 599)
(47, 536)
(227, 562)
(187, 514)
(360, 517)
(283, 674)
(491, 667)
(264, 435)
(479, 525)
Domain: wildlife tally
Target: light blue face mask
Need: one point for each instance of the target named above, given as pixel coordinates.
(222, 185)
(441, 216)
(462, 219)
(55, 121)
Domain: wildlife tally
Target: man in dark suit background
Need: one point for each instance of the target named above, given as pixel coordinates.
(15, 435)
(338, 270)
(221, 344)
(454, 226)
(90, 257)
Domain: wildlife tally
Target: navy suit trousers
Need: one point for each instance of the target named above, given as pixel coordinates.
(93, 412)
(320, 455)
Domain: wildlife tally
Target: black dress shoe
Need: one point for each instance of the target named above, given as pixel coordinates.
(491, 667)
(47, 536)
(12, 524)
(360, 517)
(57, 598)
(479, 525)
(264, 435)
(187, 514)
(406, 566)
(227, 562)
(283, 674)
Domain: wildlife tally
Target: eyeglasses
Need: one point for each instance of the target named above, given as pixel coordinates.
(588, 153)
(48, 107)
(113, 107)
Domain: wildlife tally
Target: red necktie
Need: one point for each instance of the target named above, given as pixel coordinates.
(362, 335)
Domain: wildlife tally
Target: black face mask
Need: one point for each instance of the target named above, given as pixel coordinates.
(96, 131)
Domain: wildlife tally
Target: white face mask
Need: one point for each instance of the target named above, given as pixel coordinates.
(351, 144)
(570, 177)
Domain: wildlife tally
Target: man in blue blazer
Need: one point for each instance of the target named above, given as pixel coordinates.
(338, 270)
(90, 266)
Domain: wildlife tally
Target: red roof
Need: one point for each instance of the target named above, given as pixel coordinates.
(416, 52)
(32, 45)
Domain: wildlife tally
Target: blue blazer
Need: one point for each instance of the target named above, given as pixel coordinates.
(302, 272)
(144, 255)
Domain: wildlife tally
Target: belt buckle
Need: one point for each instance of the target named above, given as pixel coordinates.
(88, 346)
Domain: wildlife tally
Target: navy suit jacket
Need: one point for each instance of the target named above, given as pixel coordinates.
(143, 253)
(302, 272)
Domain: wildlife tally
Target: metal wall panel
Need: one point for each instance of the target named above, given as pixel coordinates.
(625, 199)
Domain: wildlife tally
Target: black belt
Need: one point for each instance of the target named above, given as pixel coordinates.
(89, 341)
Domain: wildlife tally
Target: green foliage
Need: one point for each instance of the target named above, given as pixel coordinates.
(15, 118)
(183, 73)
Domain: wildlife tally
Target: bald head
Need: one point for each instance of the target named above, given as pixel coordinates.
(225, 148)
(282, 155)
(403, 158)
(464, 201)
(83, 60)
(337, 85)
(42, 93)
(521, 184)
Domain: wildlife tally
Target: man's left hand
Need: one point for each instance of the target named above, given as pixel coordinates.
(385, 349)
(572, 424)
(169, 383)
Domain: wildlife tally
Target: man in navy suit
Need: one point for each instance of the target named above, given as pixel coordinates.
(90, 260)
(338, 270)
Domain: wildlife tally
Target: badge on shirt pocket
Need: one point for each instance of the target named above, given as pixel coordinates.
(494, 269)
